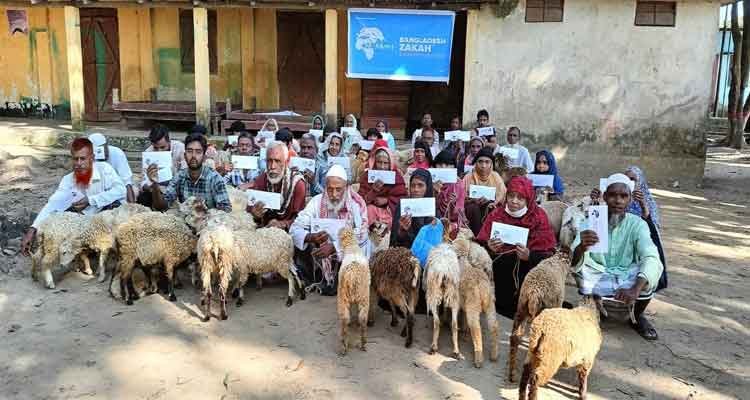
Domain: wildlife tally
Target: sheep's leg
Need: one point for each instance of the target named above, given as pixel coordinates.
(371, 310)
(394, 316)
(472, 319)
(170, 281)
(290, 294)
(206, 305)
(344, 316)
(35, 262)
(435, 330)
(298, 280)
(153, 280)
(524, 381)
(259, 282)
(409, 327)
(494, 327)
(533, 384)
(102, 266)
(223, 300)
(240, 297)
(132, 293)
(49, 281)
(363, 309)
(86, 264)
(583, 377)
(454, 331)
(515, 339)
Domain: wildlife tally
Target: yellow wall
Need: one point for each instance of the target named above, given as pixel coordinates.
(33, 65)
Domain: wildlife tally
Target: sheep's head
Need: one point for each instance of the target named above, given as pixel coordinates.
(462, 247)
(69, 249)
(347, 238)
(195, 211)
(378, 232)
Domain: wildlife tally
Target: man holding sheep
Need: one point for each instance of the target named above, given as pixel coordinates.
(315, 230)
(89, 189)
(630, 270)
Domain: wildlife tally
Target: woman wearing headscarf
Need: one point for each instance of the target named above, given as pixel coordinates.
(450, 196)
(422, 155)
(318, 123)
(331, 148)
(382, 127)
(475, 144)
(350, 121)
(513, 261)
(382, 199)
(545, 165)
(482, 175)
(406, 227)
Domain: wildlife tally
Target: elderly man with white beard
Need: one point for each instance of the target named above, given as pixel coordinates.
(316, 248)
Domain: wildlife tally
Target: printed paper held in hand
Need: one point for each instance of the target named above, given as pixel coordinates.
(603, 185)
(63, 201)
(266, 137)
(387, 177)
(510, 152)
(302, 164)
(444, 175)
(481, 192)
(424, 207)
(541, 180)
(342, 161)
(347, 131)
(366, 144)
(468, 169)
(163, 159)
(271, 200)
(245, 162)
(455, 136)
(509, 234)
(317, 133)
(232, 140)
(330, 226)
(262, 154)
(99, 154)
(598, 221)
(486, 131)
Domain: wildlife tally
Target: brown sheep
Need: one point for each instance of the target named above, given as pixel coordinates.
(395, 278)
(353, 288)
(544, 287)
(562, 338)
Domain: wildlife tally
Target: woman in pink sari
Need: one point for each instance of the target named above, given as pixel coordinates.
(382, 199)
(450, 196)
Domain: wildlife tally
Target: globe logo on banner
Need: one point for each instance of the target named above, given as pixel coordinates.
(367, 40)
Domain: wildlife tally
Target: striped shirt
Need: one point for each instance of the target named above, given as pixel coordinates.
(210, 187)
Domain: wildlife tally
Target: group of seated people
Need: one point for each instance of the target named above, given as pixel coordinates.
(631, 271)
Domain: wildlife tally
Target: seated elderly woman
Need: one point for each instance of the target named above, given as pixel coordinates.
(545, 165)
(331, 148)
(351, 140)
(316, 250)
(450, 196)
(514, 260)
(382, 199)
(482, 175)
(630, 270)
(406, 227)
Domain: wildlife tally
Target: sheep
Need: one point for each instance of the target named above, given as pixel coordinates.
(380, 236)
(442, 276)
(477, 295)
(216, 249)
(99, 236)
(395, 278)
(237, 198)
(561, 337)
(544, 287)
(152, 238)
(54, 234)
(572, 219)
(353, 287)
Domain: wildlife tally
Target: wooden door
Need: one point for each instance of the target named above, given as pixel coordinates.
(300, 57)
(101, 62)
(386, 100)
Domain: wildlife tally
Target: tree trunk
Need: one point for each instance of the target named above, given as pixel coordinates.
(737, 111)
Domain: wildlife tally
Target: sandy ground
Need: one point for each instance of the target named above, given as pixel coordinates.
(76, 342)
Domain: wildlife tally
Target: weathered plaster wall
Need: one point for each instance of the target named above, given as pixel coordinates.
(33, 70)
(596, 87)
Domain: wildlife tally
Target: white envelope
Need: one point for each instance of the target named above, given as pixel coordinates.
(342, 161)
(598, 221)
(387, 177)
(424, 207)
(479, 192)
(509, 234)
(271, 200)
(262, 154)
(330, 226)
(468, 169)
(163, 159)
(510, 152)
(486, 131)
(603, 185)
(366, 144)
(444, 175)
(266, 137)
(245, 162)
(346, 131)
(302, 164)
(99, 154)
(541, 180)
(454, 136)
(316, 132)
(233, 139)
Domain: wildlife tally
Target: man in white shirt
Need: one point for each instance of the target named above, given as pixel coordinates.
(115, 157)
(433, 139)
(89, 189)
(316, 249)
(159, 138)
(517, 155)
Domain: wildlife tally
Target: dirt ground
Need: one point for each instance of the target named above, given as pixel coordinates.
(76, 342)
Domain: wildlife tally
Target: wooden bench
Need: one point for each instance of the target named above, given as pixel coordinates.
(254, 120)
(182, 111)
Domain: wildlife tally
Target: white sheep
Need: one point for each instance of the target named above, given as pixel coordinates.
(442, 276)
(353, 288)
(56, 233)
(216, 249)
(572, 218)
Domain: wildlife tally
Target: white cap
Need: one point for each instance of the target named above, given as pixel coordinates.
(336, 171)
(620, 178)
(97, 139)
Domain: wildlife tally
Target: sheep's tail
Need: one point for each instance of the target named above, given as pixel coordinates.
(534, 306)
(417, 271)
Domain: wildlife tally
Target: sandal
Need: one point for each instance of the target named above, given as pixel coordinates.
(645, 329)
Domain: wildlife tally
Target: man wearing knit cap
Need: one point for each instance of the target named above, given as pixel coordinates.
(315, 230)
(114, 156)
(630, 270)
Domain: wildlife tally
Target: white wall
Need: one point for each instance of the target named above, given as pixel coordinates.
(596, 78)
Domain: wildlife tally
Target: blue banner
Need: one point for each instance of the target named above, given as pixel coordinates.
(412, 45)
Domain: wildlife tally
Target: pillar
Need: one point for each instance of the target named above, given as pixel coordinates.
(470, 63)
(75, 66)
(331, 57)
(202, 73)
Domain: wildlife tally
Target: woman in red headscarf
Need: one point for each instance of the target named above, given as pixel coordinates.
(514, 260)
(382, 199)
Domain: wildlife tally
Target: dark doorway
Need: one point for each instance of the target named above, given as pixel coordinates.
(301, 65)
(101, 62)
